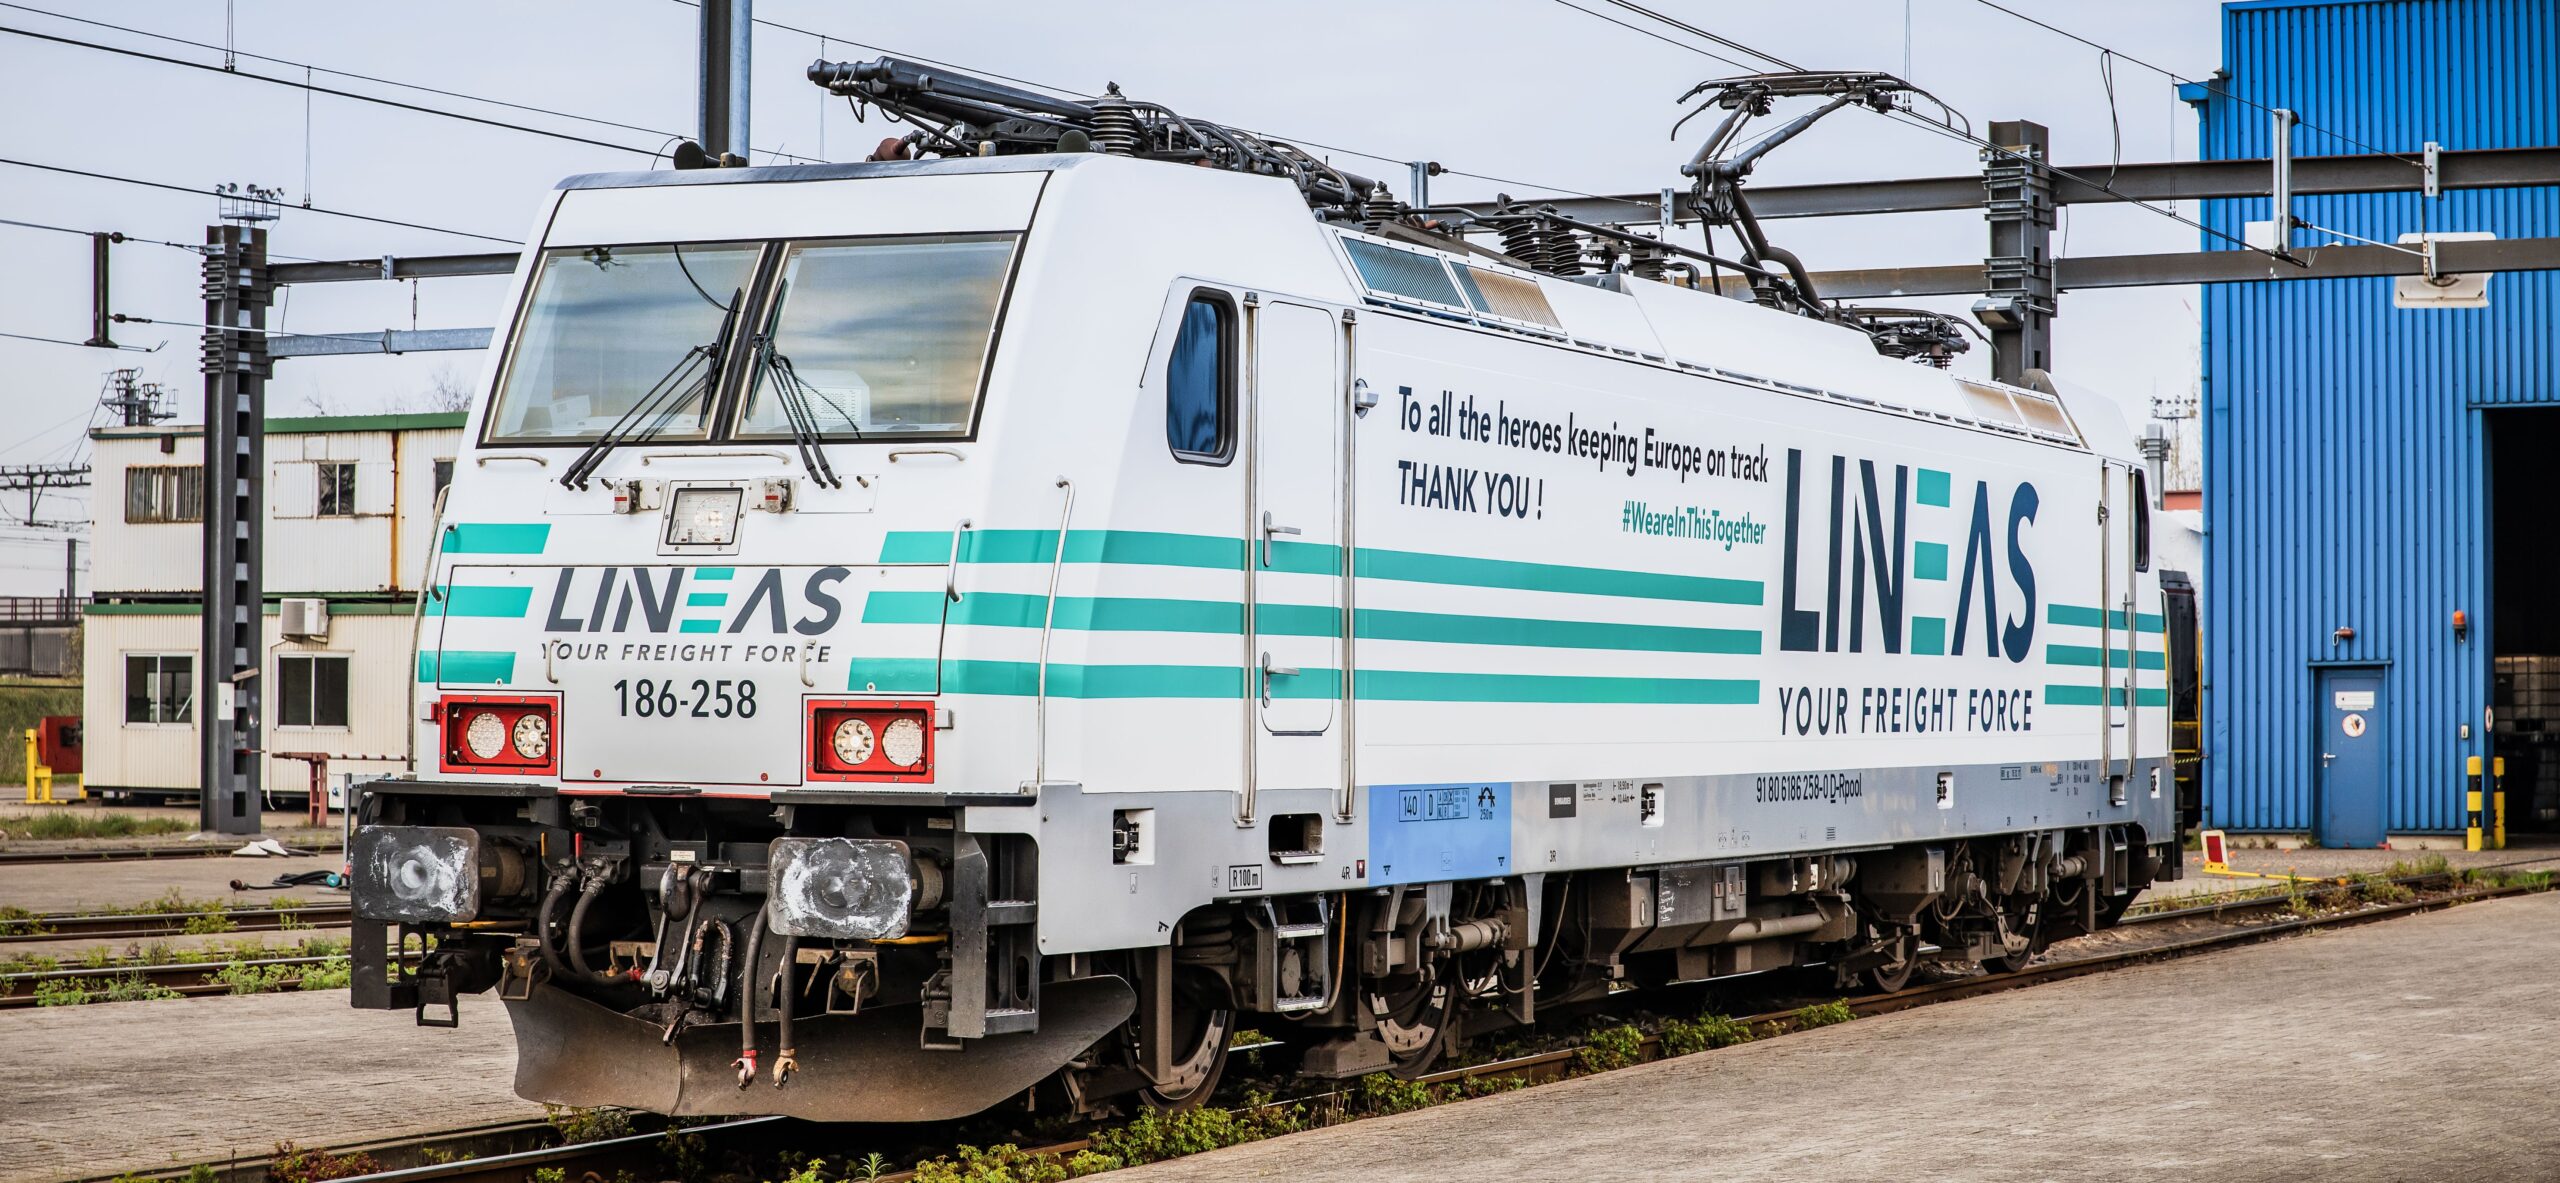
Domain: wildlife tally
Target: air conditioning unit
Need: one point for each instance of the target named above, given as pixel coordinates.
(303, 619)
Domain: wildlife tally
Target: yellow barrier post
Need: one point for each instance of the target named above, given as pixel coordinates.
(2471, 804)
(39, 777)
(2498, 803)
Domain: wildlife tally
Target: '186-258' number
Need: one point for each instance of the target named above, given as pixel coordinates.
(704, 699)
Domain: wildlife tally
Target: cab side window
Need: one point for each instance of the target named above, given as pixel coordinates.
(1199, 387)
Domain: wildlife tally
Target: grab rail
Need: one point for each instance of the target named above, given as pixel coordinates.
(1048, 620)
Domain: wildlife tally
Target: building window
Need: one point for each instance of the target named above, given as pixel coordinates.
(1199, 384)
(311, 690)
(159, 687)
(164, 493)
(337, 489)
(444, 477)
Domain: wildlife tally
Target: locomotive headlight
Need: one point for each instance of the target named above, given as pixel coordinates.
(845, 889)
(415, 874)
(902, 741)
(486, 735)
(853, 742)
(532, 736)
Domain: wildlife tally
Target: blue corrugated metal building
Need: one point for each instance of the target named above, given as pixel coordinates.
(2370, 470)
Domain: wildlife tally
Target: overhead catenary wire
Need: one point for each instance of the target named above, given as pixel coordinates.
(313, 67)
(315, 209)
(2209, 87)
(79, 344)
(1967, 137)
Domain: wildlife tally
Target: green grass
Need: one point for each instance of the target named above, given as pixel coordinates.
(76, 823)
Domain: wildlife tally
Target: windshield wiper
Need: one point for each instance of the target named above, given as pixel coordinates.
(666, 398)
(794, 393)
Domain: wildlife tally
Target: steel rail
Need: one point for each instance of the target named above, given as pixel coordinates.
(134, 925)
(29, 858)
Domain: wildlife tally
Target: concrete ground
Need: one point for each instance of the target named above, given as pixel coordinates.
(73, 887)
(2411, 1049)
(109, 1087)
(286, 825)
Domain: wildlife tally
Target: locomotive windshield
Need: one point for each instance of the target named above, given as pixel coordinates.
(881, 336)
(606, 326)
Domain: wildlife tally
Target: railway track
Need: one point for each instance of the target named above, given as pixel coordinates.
(35, 858)
(122, 926)
(186, 978)
(642, 1152)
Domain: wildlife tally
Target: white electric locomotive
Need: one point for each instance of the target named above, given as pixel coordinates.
(1004, 616)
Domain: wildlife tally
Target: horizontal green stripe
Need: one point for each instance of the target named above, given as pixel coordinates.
(496, 538)
(705, 599)
(1199, 550)
(697, 626)
(1141, 614)
(1463, 571)
(466, 666)
(715, 573)
(2089, 618)
(481, 600)
(2088, 696)
(2090, 655)
(1022, 679)
(1420, 686)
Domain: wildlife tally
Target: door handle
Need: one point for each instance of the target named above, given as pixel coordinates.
(1270, 671)
(1270, 528)
(2325, 757)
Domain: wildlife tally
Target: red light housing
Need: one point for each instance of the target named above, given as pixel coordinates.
(458, 714)
(913, 721)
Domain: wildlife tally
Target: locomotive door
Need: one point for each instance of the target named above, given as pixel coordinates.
(2120, 519)
(1293, 658)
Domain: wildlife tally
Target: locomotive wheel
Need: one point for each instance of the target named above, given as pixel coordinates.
(1204, 1031)
(1896, 974)
(2022, 937)
(1413, 1023)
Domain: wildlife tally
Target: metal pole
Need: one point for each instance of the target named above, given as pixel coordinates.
(99, 316)
(2018, 273)
(2281, 153)
(237, 291)
(728, 34)
(70, 573)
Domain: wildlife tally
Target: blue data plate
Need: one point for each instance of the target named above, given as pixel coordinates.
(1423, 833)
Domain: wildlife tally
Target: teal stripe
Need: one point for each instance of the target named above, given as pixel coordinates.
(697, 626)
(1934, 487)
(1421, 686)
(2088, 696)
(2090, 618)
(705, 599)
(715, 573)
(2090, 655)
(498, 538)
(1929, 560)
(1929, 636)
(1148, 548)
(482, 600)
(893, 675)
(470, 666)
(1389, 625)
(1462, 571)
(1139, 614)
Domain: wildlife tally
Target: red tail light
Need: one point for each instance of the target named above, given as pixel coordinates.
(500, 733)
(870, 740)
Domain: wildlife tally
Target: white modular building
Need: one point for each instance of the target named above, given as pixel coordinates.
(350, 516)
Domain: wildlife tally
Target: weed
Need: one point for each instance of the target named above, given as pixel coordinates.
(101, 825)
(815, 1172)
(2433, 864)
(1682, 1036)
(208, 922)
(1611, 1047)
(134, 988)
(61, 992)
(95, 957)
(1824, 1014)
(588, 1125)
(2298, 902)
(1485, 1086)
(1382, 1094)
(550, 1175)
(333, 974)
(293, 1164)
(19, 922)
(158, 953)
(245, 978)
(873, 1166)
(2384, 891)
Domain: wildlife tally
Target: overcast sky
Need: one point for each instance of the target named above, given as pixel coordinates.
(1528, 90)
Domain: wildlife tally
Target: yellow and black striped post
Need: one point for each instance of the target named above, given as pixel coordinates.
(2498, 803)
(2471, 804)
